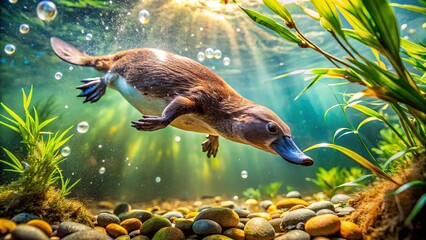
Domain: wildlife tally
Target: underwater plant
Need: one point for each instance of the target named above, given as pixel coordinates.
(394, 76)
(269, 191)
(254, 193)
(329, 180)
(39, 169)
(34, 191)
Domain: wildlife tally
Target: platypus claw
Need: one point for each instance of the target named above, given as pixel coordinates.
(93, 89)
(150, 123)
(211, 145)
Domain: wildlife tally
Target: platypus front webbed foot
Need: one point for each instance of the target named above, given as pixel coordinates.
(93, 89)
(150, 123)
(211, 145)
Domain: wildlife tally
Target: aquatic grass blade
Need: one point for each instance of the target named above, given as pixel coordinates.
(416, 209)
(311, 13)
(46, 122)
(328, 11)
(408, 186)
(281, 11)
(313, 81)
(15, 116)
(354, 183)
(356, 157)
(15, 164)
(415, 50)
(367, 120)
(413, 8)
(272, 25)
(398, 155)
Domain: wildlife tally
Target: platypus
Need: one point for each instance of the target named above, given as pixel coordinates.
(169, 89)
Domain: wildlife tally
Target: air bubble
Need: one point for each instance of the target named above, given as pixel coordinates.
(46, 11)
(209, 53)
(58, 75)
(244, 174)
(89, 36)
(201, 56)
(157, 179)
(65, 151)
(9, 49)
(217, 54)
(144, 16)
(24, 28)
(226, 61)
(83, 127)
(13, 1)
(177, 139)
(102, 170)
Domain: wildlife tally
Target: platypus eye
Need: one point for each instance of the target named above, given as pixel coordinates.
(272, 128)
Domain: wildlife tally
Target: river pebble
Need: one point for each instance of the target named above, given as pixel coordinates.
(116, 230)
(131, 224)
(291, 219)
(323, 225)
(28, 232)
(66, 228)
(294, 235)
(265, 204)
(122, 207)
(350, 230)
(6, 225)
(293, 194)
(290, 202)
(169, 233)
(205, 227)
(260, 214)
(173, 214)
(234, 233)
(258, 229)
(340, 198)
(325, 211)
(225, 217)
(316, 206)
(184, 225)
(104, 219)
(23, 217)
(42, 225)
(152, 225)
(142, 215)
(242, 213)
(216, 237)
(87, 235)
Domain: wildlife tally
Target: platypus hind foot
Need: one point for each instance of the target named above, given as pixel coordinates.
(150, 123)
(211, 145)
(93, 89)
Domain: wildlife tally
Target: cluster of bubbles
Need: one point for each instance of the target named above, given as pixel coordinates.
(65, 151)
(9, 48)
(211, 53)
(83, 127)
(24, 28)
(144, 16)
(46, 11)
(244, 174)
(58, 76)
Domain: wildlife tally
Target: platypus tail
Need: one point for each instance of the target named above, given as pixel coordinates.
(71, 54)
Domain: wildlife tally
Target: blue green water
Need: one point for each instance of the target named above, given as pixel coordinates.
(113, 160)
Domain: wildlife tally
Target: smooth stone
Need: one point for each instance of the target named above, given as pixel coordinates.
(345, 209)
(42, 225)
(174, 214)
(23, 217)
(142, 215)
(66, 228)
(131, 224)
(295, 207)
(134, 233)
(141, 237)
(259, 229)
(184, 210)
(242, 213)
(240, 225)
(350, 230)
(122, 207)
(104, 219)
(290, 202)
(293, 194)
(225, 217)
(252, 204)
(292, 218)
(325, 211)
(87, 235)
(244, 220)
(205, 227)
(228, 204)
(295, 235)
(6, 225)
(265, 204)
(276, 223)
(217, 237)
(340, 198)
(191, 215)
(184, 225)
(323, 225)
(205, 207)
(100, 229)
(122, 237)
(116, 230)
(234, 233)
(316, 206)
(260, 214)
(28, 232)
(169, 233)
(152, 225)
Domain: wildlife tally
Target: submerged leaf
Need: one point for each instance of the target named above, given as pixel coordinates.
(280, 10)
(416, 209)
(409, 7)
(356, 157)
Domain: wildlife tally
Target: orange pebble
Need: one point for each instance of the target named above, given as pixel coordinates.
(42, 225)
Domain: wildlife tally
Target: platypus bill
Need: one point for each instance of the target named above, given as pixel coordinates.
(173, 90)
